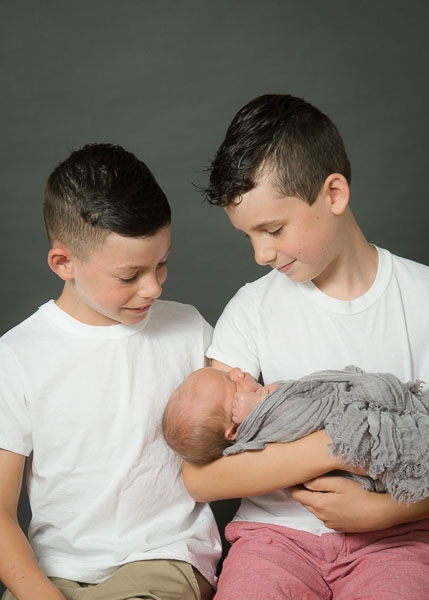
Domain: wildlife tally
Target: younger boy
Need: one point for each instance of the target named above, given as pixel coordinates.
(282, 174)
(83, 385)
(376, 422)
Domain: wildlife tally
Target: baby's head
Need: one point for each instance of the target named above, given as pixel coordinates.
(197, 422)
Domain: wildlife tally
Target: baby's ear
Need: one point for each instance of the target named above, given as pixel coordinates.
(231, 431)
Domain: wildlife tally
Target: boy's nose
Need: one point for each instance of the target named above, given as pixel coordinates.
(151, 288)
(264, 253)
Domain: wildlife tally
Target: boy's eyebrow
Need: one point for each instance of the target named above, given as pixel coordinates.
(168, 252)
(265, 224)
(124, 267)
(262, 225)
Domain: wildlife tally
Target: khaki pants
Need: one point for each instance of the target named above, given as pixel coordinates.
(148, 580)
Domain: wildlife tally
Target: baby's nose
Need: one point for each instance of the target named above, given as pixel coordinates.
(236, 373)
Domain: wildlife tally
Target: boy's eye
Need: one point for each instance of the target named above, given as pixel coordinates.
(276, 231)
(159, 266)
(128, 279)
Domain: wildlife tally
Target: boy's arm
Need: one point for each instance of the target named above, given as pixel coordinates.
(344, 505)
(259, 472)
(18, 567)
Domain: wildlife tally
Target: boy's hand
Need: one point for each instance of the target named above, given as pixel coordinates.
(333, 500)
(344, 505)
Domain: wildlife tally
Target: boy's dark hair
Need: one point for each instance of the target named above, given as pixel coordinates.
(282, 136)
(98, 189)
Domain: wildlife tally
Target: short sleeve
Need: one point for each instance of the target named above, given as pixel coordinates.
(15, 429)
(207, 334)
(234, 338)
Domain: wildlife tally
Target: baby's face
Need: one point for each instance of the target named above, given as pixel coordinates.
(244, 382)
(228, 383)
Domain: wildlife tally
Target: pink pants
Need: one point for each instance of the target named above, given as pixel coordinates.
(275, 563)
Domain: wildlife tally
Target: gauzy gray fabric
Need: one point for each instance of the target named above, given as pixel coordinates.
(375, 422)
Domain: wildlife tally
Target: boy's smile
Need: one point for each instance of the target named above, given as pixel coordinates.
(119, 281)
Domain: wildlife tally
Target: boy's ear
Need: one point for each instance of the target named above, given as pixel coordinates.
(231, 431)
(60, 261)
(337, 191)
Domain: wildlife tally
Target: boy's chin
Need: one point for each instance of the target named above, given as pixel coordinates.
(133, 317)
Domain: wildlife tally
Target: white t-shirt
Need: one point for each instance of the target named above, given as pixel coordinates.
(286, 330)
(85, 403)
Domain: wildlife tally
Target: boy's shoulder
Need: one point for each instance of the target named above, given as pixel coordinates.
(172, 324)
(411, 274)
(267, 284)
(405, 269)
(410, 263)
(49, 323)
(32, 323)
(172, 313)
(173, 307)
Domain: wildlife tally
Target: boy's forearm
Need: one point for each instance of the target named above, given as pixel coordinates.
(19, 571)
(382, 512)
(259, 472)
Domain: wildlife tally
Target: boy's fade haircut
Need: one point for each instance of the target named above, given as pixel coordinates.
(98, 189)
(281, 136)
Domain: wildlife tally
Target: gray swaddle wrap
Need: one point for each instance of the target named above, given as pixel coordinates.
(375, 422)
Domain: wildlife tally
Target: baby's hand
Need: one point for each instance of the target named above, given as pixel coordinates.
(245, 402)
(242, 405)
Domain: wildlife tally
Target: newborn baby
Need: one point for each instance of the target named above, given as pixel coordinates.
(375, 421)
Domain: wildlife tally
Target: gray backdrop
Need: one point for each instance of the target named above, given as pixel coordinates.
(165, 78)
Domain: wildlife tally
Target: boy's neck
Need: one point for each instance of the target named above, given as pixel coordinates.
(353, 271)
(71, 304)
